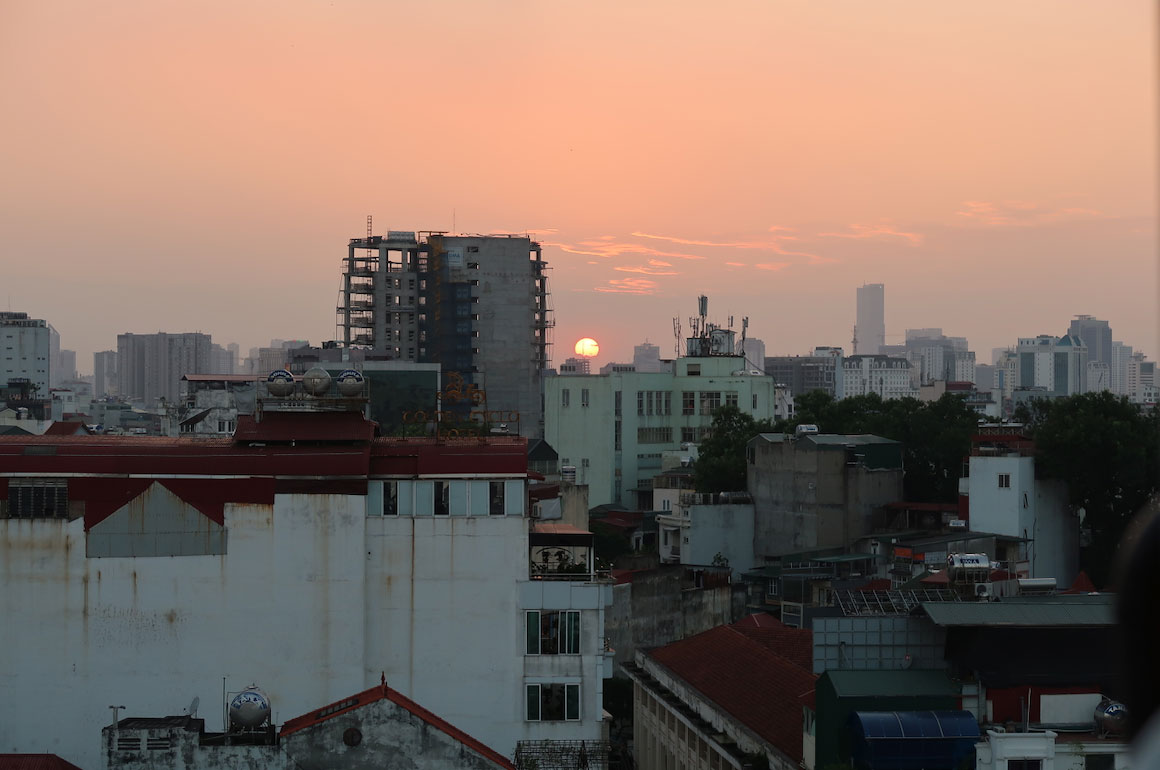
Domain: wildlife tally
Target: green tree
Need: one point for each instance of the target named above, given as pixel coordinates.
(720, 463)
(1106, 450)
(935, 436)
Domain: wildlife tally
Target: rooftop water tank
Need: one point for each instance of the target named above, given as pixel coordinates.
(249, 708)
(316, 381)
(280, 383)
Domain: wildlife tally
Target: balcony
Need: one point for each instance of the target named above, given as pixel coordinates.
(561, 552)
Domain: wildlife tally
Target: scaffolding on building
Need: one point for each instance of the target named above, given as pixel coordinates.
(562, 755)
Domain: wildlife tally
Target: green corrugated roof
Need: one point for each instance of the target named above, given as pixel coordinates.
(1052, 612)
(887, 684)
(842, 439)
(844, 557)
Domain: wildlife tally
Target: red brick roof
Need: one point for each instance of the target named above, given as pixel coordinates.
(375, 694)
(760, 688)
(34, 762)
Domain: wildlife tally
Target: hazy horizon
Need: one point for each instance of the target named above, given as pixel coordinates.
(175, 168)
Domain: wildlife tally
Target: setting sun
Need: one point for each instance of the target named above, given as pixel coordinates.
(587, 347)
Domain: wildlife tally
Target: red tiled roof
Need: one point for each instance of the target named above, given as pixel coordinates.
(375, 694)
(34, 762)
(62, 428)
(794, 644)
(758, 687)
(310, 426)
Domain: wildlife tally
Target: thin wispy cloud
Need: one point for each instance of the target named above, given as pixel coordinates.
(609, 249)
(772, 265)
(763, 245)
(882, 230)
(629, 286)
(1020, 214)
(737, 264)
(644, 270)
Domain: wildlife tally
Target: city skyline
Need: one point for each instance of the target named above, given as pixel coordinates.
(656, 154)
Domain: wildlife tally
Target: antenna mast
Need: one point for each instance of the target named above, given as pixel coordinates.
(677, 335)
(370, 232)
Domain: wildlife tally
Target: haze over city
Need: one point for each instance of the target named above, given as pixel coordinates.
(202, 169)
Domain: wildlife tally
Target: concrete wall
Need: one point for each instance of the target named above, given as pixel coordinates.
(312, 601)
(655, 610)
(720, 529)
(810, 498)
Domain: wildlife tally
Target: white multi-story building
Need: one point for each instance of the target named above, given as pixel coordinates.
(1007, 499)
(1118, 375)
(25, 350)
(888, 377)
(1141, 378)
(1056, 364)
(305, 556)
(614, 428)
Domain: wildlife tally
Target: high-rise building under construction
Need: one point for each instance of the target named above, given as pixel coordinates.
(477, 305)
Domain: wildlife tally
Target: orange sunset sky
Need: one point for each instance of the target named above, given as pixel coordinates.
(200, 166)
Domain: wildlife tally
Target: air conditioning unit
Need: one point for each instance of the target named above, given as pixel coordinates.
(983, 590)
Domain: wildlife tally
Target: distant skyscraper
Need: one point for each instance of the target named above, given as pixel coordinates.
(104, 373)
(1056, 364)
(68, 365)
(150, 366)
(871, 319)
(1096, 335)
(646, 357)
(1118, 375)
(754, 351)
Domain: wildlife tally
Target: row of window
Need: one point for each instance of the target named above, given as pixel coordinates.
(566, 397)
(553, 702)
(36, 499)
(453, 498)
(650, 402)
(660, 402)
(555, 632)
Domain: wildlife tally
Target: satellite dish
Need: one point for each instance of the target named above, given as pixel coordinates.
(193, 706)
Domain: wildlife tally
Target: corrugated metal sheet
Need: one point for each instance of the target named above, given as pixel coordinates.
(1023, 613)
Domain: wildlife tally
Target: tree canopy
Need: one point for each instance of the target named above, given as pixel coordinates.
(1107, 451)
(936, 436)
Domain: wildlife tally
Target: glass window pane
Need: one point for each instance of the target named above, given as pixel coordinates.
(441, 497)
(550, 633)
(533, 697)
(479, 498)
(514, 498)
(495, 505)
(572, 698)
(390, 498)
(573, 633)
(458, 498)
(533, 631)
(424, 498)
(406, 498)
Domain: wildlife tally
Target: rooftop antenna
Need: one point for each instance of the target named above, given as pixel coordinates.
(744, 328)
(115, 710)
(193, 706)
(370, 232)
(677, 334)
(854, 341)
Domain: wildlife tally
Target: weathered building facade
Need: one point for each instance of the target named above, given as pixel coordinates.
(304, 555)
(818, 490)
